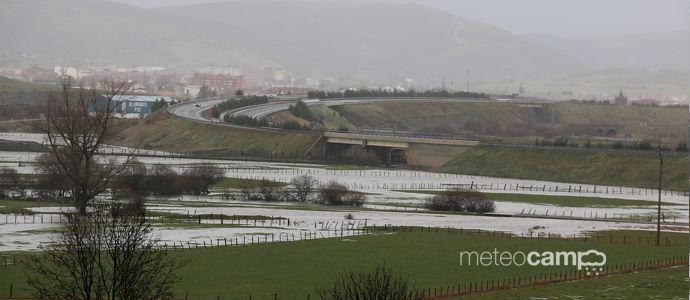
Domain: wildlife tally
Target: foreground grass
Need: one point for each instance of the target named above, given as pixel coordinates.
(292, 270)
(566, 201)
(671, 283)
(617, 169)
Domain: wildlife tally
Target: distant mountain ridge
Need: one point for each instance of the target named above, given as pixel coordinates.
(371, 41)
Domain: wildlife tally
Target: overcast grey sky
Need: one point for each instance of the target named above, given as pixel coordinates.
(566, 18)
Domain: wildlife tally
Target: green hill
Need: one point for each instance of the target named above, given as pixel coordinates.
(507, 120)
(18, 99)
(163, 132)
(619, 169)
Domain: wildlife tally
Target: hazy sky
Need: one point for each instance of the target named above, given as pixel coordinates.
(566, 18)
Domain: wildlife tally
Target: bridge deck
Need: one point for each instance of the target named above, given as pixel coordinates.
(383, 140)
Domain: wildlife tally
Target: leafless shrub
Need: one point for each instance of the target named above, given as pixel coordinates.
(335, 193)
(485, 206)
(9, 179)
(269, 194)
(134, 182)
(163, 180)
(250, 194)
(380, 283)
(462, 200)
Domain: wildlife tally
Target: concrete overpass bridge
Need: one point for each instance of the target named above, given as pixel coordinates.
(392, 149)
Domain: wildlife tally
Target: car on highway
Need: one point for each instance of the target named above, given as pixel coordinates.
(197, 105)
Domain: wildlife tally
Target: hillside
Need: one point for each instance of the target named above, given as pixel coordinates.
(618, 169)
(18, 99)
(163, 132)
(513, 120)
(372, 41)
(108, 32)
(19, 92)
(639, 82)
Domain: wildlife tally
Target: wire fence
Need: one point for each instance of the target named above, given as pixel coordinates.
(426, 181)
(472, 287)
(593, 215)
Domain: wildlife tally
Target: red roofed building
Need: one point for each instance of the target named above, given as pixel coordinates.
(220, 82)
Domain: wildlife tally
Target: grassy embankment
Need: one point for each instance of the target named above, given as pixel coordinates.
(508, 121)
(328, 118)
(617, 169)
(430, 259)
(163, 132)
(18, 99)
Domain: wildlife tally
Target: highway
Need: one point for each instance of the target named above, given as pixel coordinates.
(189, 110)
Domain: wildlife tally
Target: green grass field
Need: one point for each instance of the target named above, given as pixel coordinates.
(617, 169)
(18, 206)
(567, 201)
(671, 283)
(430, 259)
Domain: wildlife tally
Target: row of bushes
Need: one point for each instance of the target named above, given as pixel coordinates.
(351, 93)
(254, 122)
(643, 145)
(163, 180)
(243, 101)
(460, 200)
(135, 180)
(301, 110)
(303, 189)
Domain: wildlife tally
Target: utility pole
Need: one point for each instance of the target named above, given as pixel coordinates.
(468, 82)
(658, 211)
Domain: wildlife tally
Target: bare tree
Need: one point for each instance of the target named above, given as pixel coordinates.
(302, 188)
(105, 254)
(380, 283)
(76, 122)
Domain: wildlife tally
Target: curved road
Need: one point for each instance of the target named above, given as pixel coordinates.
(189, 110)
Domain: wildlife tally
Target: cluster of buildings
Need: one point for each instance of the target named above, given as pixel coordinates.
(182, 84)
